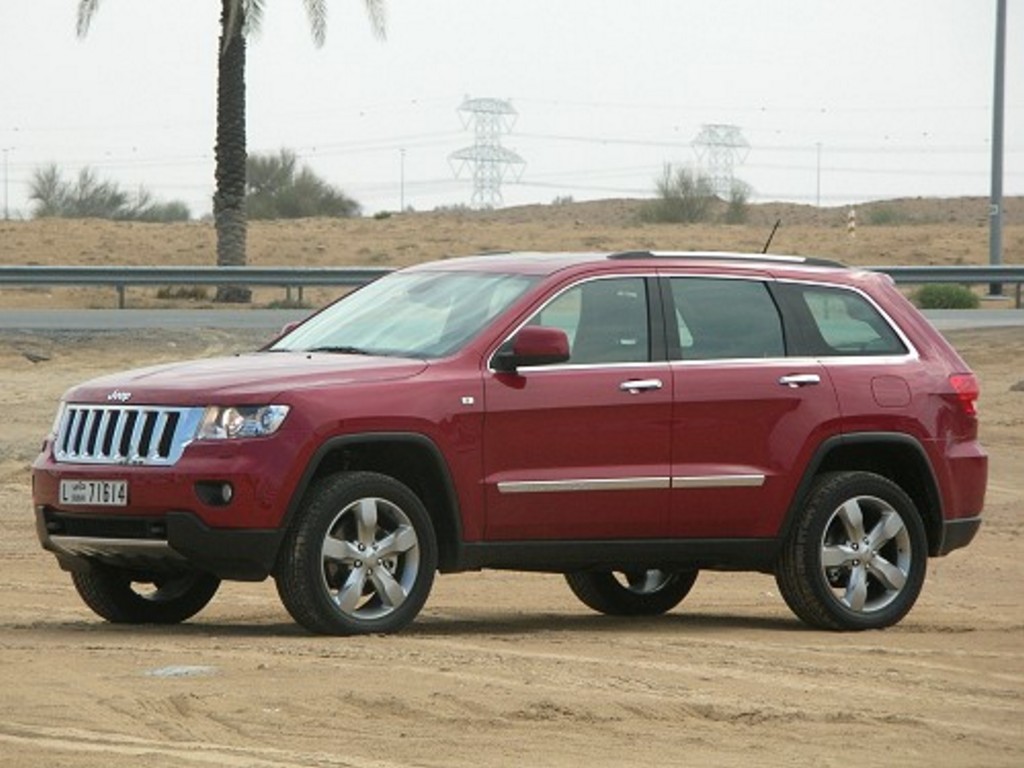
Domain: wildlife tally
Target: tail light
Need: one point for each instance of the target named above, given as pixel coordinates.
(965, 385)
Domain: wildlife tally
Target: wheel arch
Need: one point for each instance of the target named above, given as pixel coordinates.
(893, 455)
(411, 458)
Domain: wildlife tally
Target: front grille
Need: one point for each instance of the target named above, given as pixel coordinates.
(143, 435)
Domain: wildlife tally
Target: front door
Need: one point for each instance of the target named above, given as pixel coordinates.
(580, 450)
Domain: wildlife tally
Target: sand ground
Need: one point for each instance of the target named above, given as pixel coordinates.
(503, 668)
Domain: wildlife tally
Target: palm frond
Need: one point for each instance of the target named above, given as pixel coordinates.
(378, 17)
(253, 15)
(86, 10)
(316, 10)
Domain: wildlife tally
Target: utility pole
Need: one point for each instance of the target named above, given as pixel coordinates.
(817, 186)
(401, 182)
(7, 213)
(995, 210)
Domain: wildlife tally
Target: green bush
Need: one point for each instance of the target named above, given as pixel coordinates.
(276, 188)
(737, 211)
(89, 197)
(683, 198)
(946, 296)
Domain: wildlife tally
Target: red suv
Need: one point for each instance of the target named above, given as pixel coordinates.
(625, 419)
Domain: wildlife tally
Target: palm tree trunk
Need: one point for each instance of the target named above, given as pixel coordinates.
(230, 154)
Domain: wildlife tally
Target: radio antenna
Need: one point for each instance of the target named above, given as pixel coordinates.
(771, 236)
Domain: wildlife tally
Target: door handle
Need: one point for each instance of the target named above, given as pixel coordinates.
(636, 386)
(795, 380)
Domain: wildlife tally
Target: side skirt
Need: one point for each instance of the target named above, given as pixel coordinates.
(622, 554)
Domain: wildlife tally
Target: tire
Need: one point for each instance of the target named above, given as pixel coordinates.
(631, 593)
(117, 595)
(857, 556)
(360, 557)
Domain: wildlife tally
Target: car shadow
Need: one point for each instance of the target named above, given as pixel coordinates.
(492, 624)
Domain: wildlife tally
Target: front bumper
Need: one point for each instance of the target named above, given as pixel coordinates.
(177, 541)
(170, 523)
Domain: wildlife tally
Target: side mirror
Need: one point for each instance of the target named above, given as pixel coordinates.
(533, 345)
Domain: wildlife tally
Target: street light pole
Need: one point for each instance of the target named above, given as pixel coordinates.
(817, 192)
(995, 211)
(7, 214)
(401, 207)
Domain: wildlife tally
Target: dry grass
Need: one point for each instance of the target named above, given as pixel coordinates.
(925, 232)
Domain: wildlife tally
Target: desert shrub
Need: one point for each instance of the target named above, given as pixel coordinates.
(89, 197)
(175, 210)
(290, 303)
(683, 197)
(276, 188)
(885, 216)
(737, 210)
(945, 296)
(183, 292)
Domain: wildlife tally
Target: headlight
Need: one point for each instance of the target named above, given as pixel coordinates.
(55, 427)
(226, 423)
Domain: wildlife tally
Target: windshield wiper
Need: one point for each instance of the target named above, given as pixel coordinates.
(343, 350)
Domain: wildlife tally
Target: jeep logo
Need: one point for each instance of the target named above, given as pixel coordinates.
(119, 396)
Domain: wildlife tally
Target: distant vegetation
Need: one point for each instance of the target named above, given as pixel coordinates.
(946, 296)
(276, 188)
(686, 197)
(89, 197)
(739, 195)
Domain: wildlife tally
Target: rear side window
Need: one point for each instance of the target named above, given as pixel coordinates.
(839, 322)
(725, 319)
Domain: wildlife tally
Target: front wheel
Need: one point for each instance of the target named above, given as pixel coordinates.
(857, 557)
(121, 597)
(631, 593)
(360, 558)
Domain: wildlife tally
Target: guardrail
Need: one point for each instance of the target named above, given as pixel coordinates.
(121, 278)
(298, 278)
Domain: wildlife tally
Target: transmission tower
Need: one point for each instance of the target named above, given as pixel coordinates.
(490, 162)
(720, 148)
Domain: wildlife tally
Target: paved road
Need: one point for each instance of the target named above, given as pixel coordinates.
(275, 319)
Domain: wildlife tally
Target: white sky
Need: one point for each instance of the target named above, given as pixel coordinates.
(897, 92)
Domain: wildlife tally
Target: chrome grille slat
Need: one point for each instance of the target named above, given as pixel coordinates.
(120, 434)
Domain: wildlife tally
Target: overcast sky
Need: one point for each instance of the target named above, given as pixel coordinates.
(874, 98)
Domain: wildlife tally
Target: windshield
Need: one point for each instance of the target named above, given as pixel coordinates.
(408, 314)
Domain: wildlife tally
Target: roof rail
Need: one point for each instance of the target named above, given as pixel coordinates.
(813, 261)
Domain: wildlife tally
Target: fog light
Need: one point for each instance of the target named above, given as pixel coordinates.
(215, 493)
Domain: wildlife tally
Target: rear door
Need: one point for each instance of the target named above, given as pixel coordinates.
(746, 418)
(581, 450)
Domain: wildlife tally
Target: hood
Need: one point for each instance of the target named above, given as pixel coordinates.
(245, 379)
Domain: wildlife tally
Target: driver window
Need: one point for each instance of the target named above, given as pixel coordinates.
(605, 320)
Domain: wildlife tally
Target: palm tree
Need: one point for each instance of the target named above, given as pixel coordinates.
(237, 19)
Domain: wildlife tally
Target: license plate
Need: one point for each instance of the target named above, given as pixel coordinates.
(94, 493)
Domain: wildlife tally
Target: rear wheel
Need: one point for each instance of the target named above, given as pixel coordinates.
(631, 593)
(858, 555)
(119, 596)
(360, 558)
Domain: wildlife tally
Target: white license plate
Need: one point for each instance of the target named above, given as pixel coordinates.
(94, 493)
